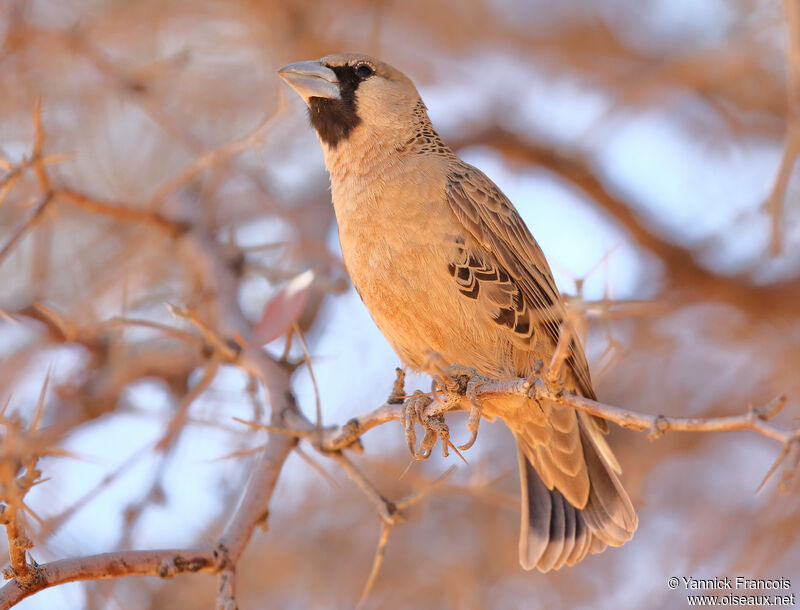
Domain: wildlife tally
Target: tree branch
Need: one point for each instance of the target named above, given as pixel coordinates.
(162, 563)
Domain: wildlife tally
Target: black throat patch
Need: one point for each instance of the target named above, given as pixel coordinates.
(334, 119)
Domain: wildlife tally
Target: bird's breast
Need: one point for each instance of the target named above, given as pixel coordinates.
(396, 243)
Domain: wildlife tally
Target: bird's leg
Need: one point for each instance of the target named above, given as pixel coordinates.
(457, 377)
(467, 381)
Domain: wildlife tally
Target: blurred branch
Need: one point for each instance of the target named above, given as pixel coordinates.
(44, 201)
(253, 512)
(773, 206)
(683, 272)
(220, 155)
(388, 511)
(22, 447)
(118, 211)
(178, 422)
(774, 203)
(219, 282)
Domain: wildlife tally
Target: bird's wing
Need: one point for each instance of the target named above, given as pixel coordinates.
(503, 260)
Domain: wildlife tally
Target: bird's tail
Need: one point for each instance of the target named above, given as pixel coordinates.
(554, 532)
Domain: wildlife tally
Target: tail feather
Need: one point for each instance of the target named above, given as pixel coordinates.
(583, 539)
(554, 532)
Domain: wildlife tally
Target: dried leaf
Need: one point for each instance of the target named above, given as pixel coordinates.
(284, 309)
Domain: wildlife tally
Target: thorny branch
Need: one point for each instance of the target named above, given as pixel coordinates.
(336, 438)
(22, 447)
(24, 444)
(451, 397)
(290, 425)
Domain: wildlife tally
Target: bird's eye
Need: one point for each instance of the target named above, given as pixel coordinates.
(364, 71)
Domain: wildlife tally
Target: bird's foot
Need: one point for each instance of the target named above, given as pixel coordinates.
(430, 414)
(465, 381)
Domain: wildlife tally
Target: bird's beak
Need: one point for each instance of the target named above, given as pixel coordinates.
(311, 79)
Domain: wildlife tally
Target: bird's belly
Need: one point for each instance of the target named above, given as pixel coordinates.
(415, 302)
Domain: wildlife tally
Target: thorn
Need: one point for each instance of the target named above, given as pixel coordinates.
(406, 469)
(781, 456)
(458, 453)
(772, 408)
(37, 413)
(4, 408)
(268, 428)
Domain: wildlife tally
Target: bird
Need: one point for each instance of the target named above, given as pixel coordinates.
(445, 265)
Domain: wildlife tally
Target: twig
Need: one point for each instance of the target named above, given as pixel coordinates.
(186, 401)
(380, 551)
(19, 451)
(307, 356)
(418, 495)
(316, 466)
(386, 525)
(755, 419)
(387, 510)
(26, 224)
(171, 331)
(773, 206)
(220, 155)
(118, 211)
(774, 203)
(162, 563)
(334, 439)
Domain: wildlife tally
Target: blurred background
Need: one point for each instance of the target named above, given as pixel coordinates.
(649, 146)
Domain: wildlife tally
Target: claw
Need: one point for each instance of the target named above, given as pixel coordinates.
(474, 421)
(427, 444)
(458, 453)
(473, 437)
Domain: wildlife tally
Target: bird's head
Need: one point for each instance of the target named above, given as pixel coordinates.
(350, 93)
